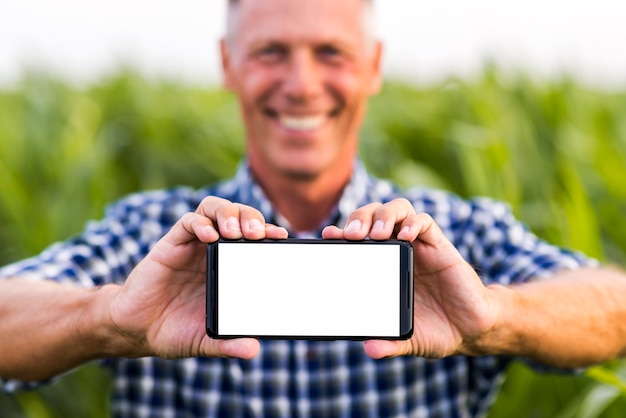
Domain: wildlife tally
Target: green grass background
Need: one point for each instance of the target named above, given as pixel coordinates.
(554, 149)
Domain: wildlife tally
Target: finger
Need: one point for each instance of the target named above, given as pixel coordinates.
(245, 348)
(388, 216)
(332, 232)
(234, 220)
(421, 226)
(359, 222)
(275, 232)
(223, 214)
(253, 224)
(378, 349)
(251, 221)
(190, 227)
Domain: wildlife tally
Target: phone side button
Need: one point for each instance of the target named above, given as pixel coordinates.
(409, 288)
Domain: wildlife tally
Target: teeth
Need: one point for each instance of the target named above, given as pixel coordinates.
(306, 123)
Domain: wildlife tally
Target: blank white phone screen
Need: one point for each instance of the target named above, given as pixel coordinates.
(303, 289)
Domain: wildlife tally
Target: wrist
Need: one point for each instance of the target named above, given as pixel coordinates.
(502, 338)
(109, 337)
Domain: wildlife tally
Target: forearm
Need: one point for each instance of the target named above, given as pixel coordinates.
(47, 328)
(576, 319)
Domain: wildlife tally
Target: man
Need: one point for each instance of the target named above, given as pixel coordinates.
(303, 72)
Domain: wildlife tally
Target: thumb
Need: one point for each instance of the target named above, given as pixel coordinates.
(378, 349)
(245, 348)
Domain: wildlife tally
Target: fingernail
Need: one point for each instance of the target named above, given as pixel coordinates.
(354, 225)
(255, 224)
(232, 223)
(379, 226)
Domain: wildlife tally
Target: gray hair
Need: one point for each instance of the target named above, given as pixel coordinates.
(368, 21)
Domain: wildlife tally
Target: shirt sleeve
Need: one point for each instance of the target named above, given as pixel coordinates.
(500, 248)
(510, 252)
(108, 249)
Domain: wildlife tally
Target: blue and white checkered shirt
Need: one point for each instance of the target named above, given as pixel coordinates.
(300, 378)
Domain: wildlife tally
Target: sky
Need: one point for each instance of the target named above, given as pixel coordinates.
(425, 40)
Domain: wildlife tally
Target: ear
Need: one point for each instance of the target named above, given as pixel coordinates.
(377, 76)
(227, 78)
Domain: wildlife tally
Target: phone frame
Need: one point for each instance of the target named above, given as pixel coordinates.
(406, 289)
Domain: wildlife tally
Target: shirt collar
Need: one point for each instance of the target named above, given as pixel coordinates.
(354, 195)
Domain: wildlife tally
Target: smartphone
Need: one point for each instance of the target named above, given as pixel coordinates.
(310, 289)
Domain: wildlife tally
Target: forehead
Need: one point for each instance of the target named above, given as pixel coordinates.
(298, 20)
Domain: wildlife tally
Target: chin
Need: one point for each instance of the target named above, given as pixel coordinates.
(300, 174)
(299, 165)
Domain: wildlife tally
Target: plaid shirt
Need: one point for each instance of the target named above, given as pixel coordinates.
(300, 378)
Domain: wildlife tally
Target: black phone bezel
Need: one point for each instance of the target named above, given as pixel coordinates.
(406, 290)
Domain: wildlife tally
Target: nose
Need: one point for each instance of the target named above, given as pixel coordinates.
(303, 80)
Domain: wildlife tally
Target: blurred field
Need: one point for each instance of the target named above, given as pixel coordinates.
(555, 150)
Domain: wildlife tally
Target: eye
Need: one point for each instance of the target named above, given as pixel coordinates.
(271, 52)
(328, 51)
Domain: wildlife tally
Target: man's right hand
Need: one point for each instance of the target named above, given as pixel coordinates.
(48, 328)
(160, 310)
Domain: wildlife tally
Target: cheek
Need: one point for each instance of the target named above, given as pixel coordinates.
(349, 87)
(256, 83)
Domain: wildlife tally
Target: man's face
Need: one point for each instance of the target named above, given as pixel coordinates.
(303, 71)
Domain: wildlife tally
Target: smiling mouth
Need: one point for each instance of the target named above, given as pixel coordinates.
(302, 123)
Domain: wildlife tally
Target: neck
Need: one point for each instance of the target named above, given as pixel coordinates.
(304, 202)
